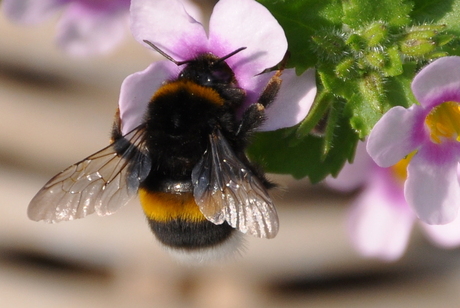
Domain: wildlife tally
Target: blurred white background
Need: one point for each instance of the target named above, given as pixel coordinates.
(56, 110)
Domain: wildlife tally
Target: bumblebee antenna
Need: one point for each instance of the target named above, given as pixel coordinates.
(161, 52)
(230, 55)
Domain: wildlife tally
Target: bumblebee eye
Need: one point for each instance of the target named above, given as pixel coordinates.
(222, 76)
(206, 80)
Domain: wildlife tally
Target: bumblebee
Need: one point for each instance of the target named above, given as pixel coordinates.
(186, 161)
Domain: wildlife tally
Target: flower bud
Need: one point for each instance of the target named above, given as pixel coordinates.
(330, 45)
(356, 42)
(376, 59)
(417, 47)
(375, 34)
(420, 41)
(345, 68)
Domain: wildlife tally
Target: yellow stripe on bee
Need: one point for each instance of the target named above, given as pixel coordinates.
(206, 93)
(164, 207)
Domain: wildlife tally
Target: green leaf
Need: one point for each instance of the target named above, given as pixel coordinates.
(362, 115)
(358, 13)
(275, 152)
(371, 87)
(398, 88)
(300, 20)
(332, 126)
(435, 11)
(321, 105)
(394, 66)
(366, 107)
(335, 85)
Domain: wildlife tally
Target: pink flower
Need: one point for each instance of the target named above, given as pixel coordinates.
(85, 27)
(380, 220)
(430, 130)
(233, 24)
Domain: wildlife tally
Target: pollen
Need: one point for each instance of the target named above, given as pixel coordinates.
(443, 122)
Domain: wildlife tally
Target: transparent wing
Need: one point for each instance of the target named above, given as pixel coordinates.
(101, 183)
(226, 190)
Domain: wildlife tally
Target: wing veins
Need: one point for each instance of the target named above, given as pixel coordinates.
(226, 190)
(95, 183)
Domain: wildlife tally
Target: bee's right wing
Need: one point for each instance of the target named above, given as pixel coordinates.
(101, 183)
(227, 190)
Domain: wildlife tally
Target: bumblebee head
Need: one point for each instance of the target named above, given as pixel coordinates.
(206, 69)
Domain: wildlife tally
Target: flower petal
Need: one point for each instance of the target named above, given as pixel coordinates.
(432, 189)
(83, 31)
(246, 23)
(293, 101)
(137, 91)
(445, 236)
(391, 138)
(378, 226)
(438, 82)
(166, 24)
(30, 11)
(193, 8)
(354, 175)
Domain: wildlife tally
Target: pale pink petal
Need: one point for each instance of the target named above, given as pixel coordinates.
(194, 9)
(246, 23)
(137, 91)
(445, 236)
(378, 226)
(354, 175)
(293, 101)
(166, 24)
(30, 11)
(83, 31)
(432, 189)
(438, 82)
(391, 138)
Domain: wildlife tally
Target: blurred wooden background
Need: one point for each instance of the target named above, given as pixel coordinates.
(56, 110)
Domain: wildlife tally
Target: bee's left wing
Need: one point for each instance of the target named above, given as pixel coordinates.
(226, 190)
(101, 183)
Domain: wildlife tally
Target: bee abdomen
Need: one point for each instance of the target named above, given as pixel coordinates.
(184, 234)
(177, 221)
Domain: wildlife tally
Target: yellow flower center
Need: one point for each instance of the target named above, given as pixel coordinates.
(443, 122)
(399, 170)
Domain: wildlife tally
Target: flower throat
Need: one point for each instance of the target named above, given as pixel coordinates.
(443, 122)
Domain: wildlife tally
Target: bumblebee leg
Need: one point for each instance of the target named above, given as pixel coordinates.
(252, 118)
(255, 115)
(116, 127)
(271, 90)
(274, 84)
